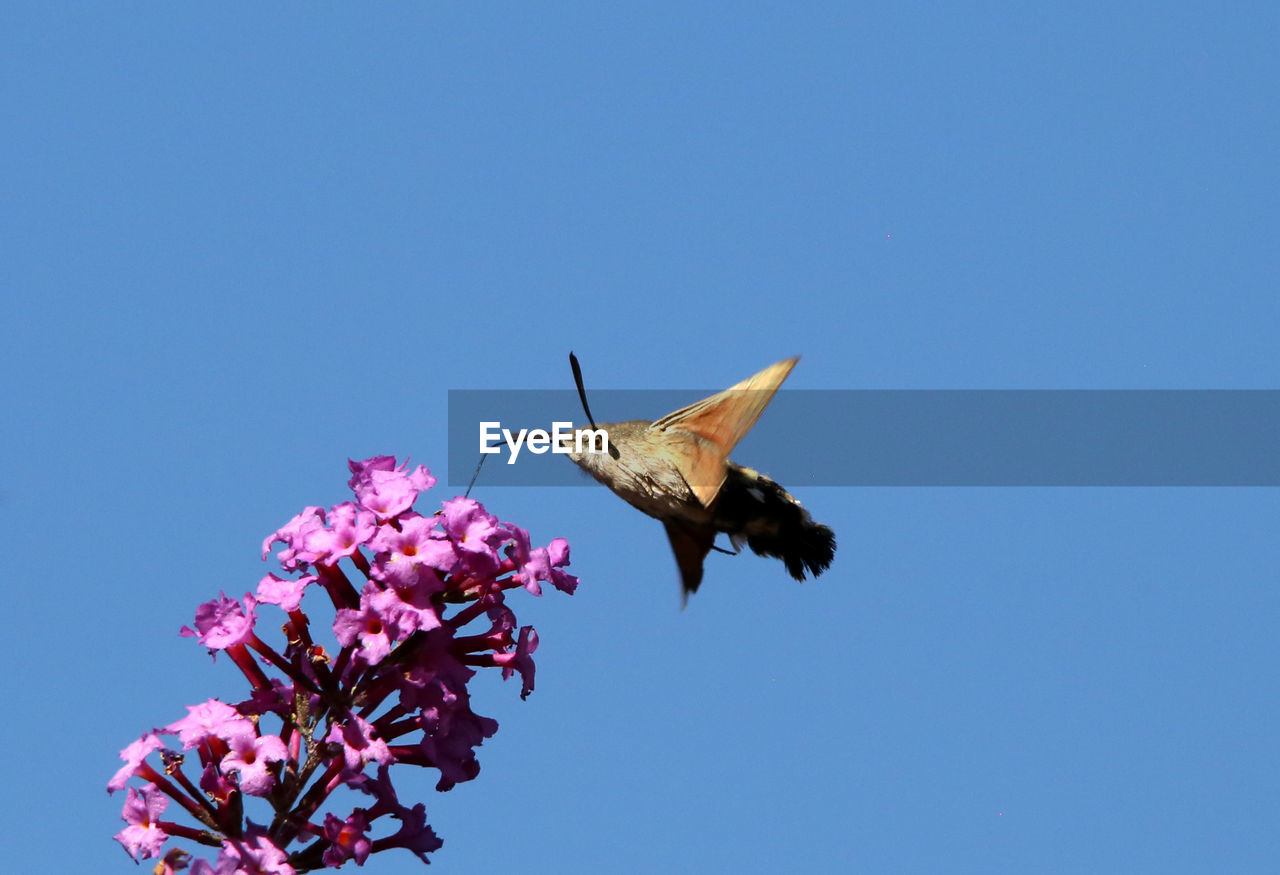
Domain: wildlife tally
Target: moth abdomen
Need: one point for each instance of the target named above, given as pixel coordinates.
(754, 508)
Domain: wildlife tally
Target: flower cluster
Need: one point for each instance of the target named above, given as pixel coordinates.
(395, 691)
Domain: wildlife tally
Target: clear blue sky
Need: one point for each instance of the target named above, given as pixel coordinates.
(242, 244)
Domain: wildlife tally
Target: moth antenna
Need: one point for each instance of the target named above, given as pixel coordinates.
(582, 393)
(479, 465)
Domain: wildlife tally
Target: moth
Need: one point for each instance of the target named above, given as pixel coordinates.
(677, 470)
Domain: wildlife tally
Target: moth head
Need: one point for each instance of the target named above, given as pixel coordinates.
(598, 447)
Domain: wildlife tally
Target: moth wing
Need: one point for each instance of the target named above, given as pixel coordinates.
(691, 544)
(714, 426)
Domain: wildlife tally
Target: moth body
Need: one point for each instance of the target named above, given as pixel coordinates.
(676, 469)
(640, 469)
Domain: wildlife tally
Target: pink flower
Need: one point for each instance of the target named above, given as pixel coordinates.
(387, 491)
(476, 535)
(540, 563)
(360, 743)
(406, 608)
(142, 838)
(319, 717)
(211, 719)
(520, 660)
(367, 626)
(362, 472)
(222, 623)
(255, 854)
(251, 756)
(133, 755)
(416, 542)
(273, 590)
(349, 528)
(294, 535)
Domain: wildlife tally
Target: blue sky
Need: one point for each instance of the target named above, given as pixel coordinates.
(242, 244)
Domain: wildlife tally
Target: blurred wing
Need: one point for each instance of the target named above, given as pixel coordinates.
(713, 426)
(691, 545)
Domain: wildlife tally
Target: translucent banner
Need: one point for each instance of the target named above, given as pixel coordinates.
(910, 437)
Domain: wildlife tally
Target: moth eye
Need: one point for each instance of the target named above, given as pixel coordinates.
(613, 452)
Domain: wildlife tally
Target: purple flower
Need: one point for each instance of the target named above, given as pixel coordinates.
(414, 834)
(450, 736)
(437, 689)
(347, 838)
(216, 785)
(279, 698)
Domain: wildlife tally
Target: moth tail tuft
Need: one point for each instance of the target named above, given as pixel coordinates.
(811, 548)
(773, 523)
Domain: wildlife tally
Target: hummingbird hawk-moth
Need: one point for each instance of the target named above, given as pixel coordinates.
(677, 470)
